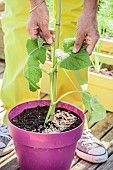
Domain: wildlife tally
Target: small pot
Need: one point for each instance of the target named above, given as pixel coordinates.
(37, 151)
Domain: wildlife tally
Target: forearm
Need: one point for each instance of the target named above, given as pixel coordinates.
(90, 7)
(39, 20)
(35, 2)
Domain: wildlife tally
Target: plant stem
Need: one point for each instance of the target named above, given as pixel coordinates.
(51, 96)
(53, 74)
(45, 71)
(70, 92)
(56, 46)
(50, 111)
(97, 64)
(54, 69)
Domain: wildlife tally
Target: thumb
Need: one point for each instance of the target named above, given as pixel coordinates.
(46, 33)
(78, 43)
(48, 37)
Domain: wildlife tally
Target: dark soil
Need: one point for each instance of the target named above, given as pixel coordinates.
(106, 70)
(33, 120)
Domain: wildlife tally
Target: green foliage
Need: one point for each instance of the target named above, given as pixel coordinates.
(71, 61)
(86, 97)
(68, 44)
(97, 111)
(37, 55)
(94, 107)
(33, 75)
(105, 17)
(67, 60)
(35, 49)
(97, 62)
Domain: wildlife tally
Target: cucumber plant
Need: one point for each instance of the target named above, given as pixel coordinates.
(65, 59)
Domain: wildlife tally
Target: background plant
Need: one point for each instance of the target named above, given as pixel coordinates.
(105, 17)
(105, 25)
(96, 62)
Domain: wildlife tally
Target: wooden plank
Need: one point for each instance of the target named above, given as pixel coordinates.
(81, 165)
(1, 76)
(10, 164)
(2, 56)
(1, 116)
(2, 112)
(9, 161)
(2, 5)
(103, 126)
(3, 158)
(107, 165)
(1, 109)
(1, 104)
(47, 97)
(75, 161)
(99, 130)
(2, 67)
(107, 141)
(42, 95)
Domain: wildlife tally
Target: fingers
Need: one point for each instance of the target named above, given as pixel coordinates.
(33, 31)
(78, 44)
(90, 39)
(52, 32)
(47, 35)
(36, 31)
(91, 42)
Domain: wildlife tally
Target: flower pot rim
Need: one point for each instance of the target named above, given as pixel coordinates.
(55, 133)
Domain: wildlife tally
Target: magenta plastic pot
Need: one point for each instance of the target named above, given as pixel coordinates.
(36, 151)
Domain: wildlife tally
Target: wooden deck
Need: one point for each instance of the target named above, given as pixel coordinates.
(103, 130)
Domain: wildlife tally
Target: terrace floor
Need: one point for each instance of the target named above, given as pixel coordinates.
(103, 130)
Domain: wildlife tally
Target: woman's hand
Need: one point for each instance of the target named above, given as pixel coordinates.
(38, 22)
(87, 32)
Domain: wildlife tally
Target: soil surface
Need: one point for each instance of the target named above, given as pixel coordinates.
(33, 120)
(106, 70)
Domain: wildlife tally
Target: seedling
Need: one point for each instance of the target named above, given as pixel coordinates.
(66, 59)
(97, 62)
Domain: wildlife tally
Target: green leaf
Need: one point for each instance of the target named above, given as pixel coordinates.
(33, 87)
(41, 54)
(32, 61)
(97, 111)
(31, 45)
(86, 98)
(33, 75)
(40, 42)
(36, 50)
(76, 61)
(68, 44)
(37, 54)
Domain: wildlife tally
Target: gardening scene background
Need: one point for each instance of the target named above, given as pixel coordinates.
(101, 71)
(100, 83)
